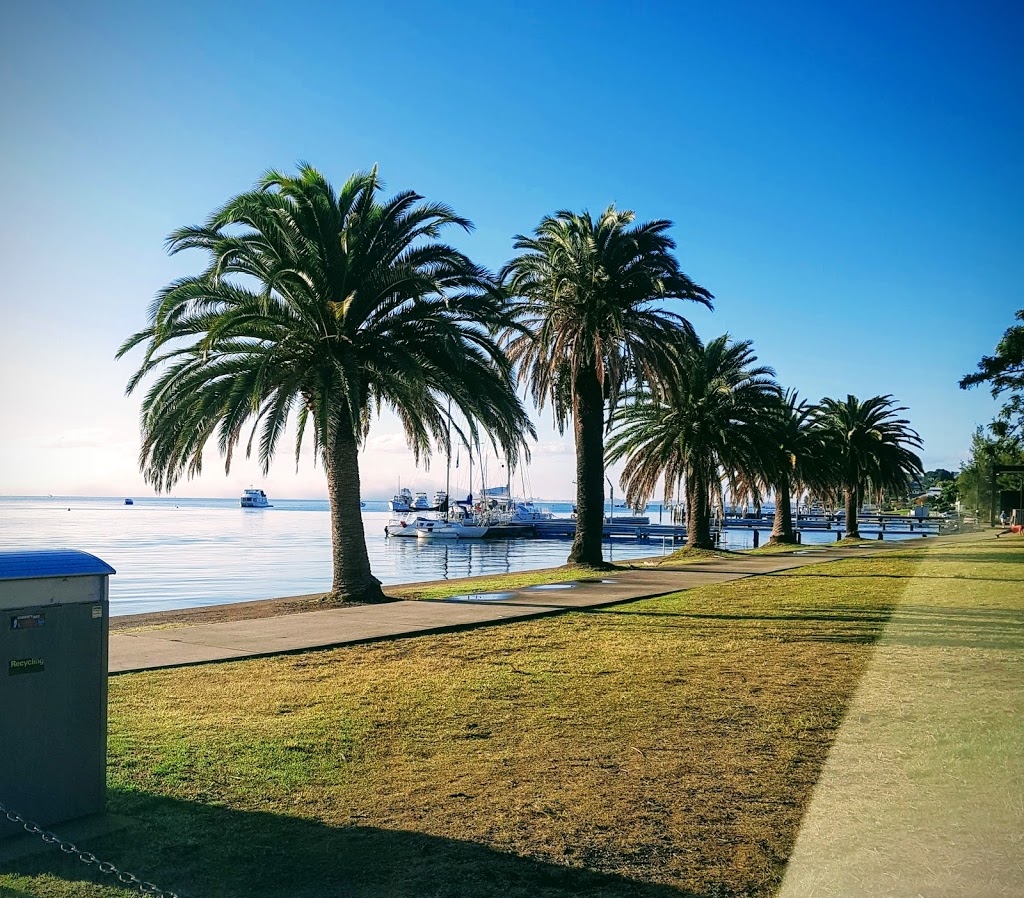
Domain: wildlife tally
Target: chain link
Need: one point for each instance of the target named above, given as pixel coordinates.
(130, 879)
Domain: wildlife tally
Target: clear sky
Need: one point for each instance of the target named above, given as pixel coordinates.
(847, 180)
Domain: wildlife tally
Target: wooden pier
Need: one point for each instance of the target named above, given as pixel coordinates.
(631, 527)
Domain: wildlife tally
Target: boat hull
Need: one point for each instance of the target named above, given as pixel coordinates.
(436, 533)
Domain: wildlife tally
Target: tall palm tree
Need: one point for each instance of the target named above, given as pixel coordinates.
(801, 459)
(588, 300)
(710, 422)
(873, 447)
(330, 305)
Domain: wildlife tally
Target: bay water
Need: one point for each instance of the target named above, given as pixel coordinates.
(173, 553)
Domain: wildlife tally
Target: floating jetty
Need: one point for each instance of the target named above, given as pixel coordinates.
(641, 528)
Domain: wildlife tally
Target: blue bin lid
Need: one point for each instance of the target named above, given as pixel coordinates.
(35, 564)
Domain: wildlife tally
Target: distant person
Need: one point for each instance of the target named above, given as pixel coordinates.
(1002, 519)
(1013, 526)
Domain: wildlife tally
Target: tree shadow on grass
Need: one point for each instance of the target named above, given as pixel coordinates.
(861, 626)
(859, 576)
(918, 625)
(966, 556)
(197, 849)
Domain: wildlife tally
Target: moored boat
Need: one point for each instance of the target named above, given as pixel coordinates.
(401, 502)
(436, 529)
(404, 526)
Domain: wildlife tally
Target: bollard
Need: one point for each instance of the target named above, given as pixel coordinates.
(757, 539)
(799, 538)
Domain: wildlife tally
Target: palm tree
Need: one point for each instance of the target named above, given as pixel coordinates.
(330, 305)
(711, 421)
(802, 459)
(587, 296)
(872, 446)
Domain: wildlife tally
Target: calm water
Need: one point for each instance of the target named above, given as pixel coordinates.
(179, 553)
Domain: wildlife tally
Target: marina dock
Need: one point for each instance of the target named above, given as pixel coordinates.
(639, 528)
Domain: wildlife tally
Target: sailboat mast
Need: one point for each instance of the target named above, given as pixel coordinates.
(448, 474)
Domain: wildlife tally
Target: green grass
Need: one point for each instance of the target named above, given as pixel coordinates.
(498, 583)
(789, 549)
(658, 748)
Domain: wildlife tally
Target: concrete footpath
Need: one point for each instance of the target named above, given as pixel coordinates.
(175, 646)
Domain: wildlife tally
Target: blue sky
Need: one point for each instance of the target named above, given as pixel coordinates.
(846, 179)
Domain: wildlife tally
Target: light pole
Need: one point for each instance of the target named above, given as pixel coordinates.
(611, 500)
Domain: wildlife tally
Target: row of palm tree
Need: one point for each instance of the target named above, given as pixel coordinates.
(719, 420)
(328, 306)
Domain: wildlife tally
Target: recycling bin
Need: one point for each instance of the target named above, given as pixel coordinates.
(54, 613)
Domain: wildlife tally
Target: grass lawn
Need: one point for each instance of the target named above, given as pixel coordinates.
(497, 583)
(665, 747)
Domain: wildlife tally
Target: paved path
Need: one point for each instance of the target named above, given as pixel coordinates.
(229, 640)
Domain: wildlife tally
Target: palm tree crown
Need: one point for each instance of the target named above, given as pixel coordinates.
(710, 422)
(589, 319)
(874, 448)
(333, 306)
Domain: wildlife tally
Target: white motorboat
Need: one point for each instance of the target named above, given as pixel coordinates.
(255, 499)
(404, 501)
(401, 502)
(527, 513)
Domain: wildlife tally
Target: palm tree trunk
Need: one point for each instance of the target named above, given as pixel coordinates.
(353, 581)
(698, 512)
(588, 426)
(782, 528)
(852, 496)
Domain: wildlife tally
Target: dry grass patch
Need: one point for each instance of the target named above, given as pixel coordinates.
(688, 555)
(444, 588)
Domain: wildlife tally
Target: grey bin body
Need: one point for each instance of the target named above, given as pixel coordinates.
(54, 612)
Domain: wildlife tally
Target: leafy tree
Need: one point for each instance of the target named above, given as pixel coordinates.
(873, 448)
(1004, 371)
(330, 305)
(974, 482)
(713, 420)
(947, 498)
(589, 321)
(933, 478)
(800, 458)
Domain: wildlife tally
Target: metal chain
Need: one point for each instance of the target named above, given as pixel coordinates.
(128, 879)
